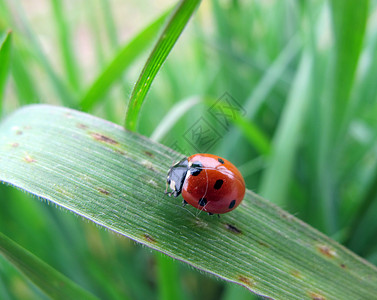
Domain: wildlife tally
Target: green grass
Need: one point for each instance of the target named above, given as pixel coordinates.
(304, 74)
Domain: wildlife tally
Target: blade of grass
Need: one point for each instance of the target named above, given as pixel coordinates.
(276, 177)
(111, 28)
(126, 56)
(116, 179)
(266, 85)
(176, 112)
(69, 61)
(168, 278)
(26, 86)
(5, 49)
(160, 52)
(368, 201)
(53, 283)
(61, 90)
(349, 25)
(254, 135)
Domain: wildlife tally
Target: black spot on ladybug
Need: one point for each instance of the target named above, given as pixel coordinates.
(196, 168)
(232, 203)
(221, 161)
(218, 184)
(202, 201)
(233, 229)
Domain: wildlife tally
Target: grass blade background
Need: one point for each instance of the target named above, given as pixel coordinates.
(5, 48)
(349, 25)
(275, 182)
(69, 60)
(60, 88)
(54, 284)
(120, 63)
(116, 179)
(349, 22)
(168, 38)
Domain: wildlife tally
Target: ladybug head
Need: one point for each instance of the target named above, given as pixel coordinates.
(176, 177)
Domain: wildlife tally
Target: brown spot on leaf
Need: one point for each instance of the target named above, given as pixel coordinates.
(327, 251)
(15, 145)
(343, 266)
(246, 280)
(150, 154)
(81, 126)
(296, 273)
(103, 138)
(264, 244)
(233, 229)
(316, 296)
(121, 152)
(29, 159)
(19, 132)
(149, 238)
(286, 216)
(103, 191)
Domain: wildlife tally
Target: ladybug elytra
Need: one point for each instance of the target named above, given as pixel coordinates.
(207, 182)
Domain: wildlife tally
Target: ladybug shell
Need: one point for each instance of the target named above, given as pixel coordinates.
(218, 187)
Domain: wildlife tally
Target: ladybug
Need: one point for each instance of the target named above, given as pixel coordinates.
(207, 182)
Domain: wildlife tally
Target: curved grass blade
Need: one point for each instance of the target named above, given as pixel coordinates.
(265, 86)
(69, 60)
(5, 46)
(120, 63)
(160, 52)
(175, 113)
(349, 22)
(253, 134)
(116, 178)
(61, 90)
(275, 182)
(53, 283)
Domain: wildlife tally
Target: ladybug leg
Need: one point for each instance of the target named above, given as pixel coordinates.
(166, 190)
(211, 214)
(184, 202)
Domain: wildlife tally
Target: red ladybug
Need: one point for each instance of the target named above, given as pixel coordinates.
(207, 182)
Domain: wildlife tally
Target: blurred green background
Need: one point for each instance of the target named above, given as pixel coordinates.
(287, 90)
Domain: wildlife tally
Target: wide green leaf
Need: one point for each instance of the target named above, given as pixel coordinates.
(116, 178)
(160, 52)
